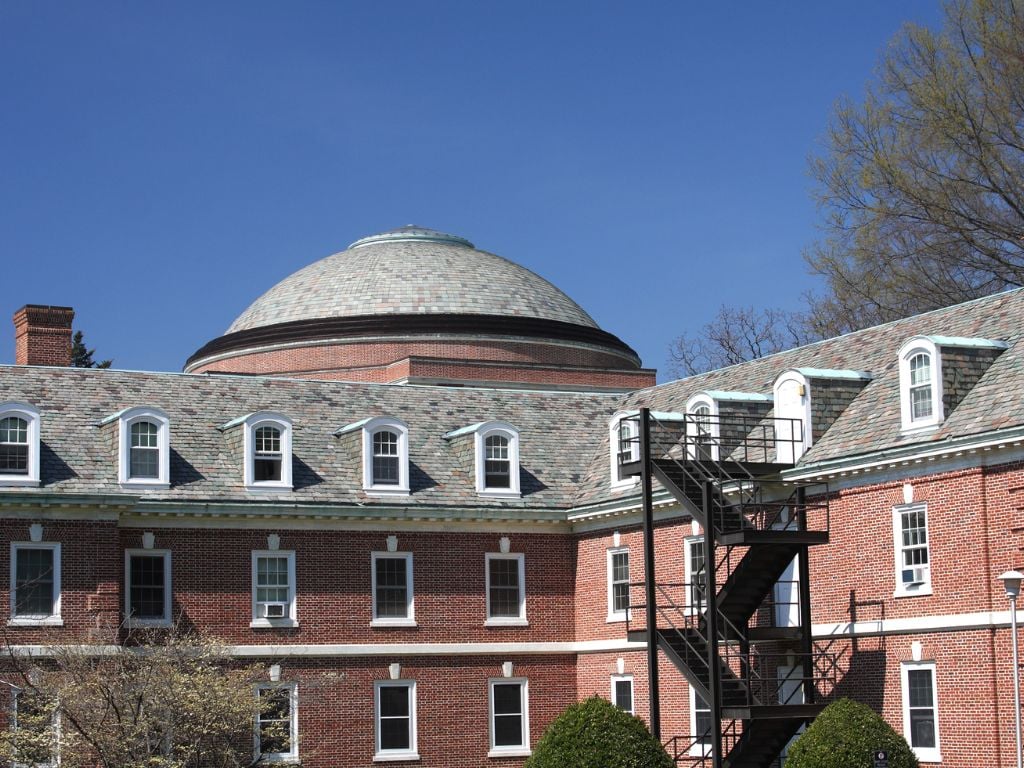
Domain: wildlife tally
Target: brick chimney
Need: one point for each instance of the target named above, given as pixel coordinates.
(42, 335)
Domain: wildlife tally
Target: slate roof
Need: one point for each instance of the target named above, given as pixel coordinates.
(411, 271)
(78, 457)
(872, 422)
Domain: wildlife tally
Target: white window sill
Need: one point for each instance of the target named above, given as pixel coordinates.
(394, 757)
(147, 623)
(393, 623)
(506, 622)
(143, 485)
(510, 752)
(499, 493)
(42, 621)
(920, 429)
(386, 490)
(922, 592)
(926, 755)
(11, 481)
(280, 758)
(269, 488)
(616, 618)
(273, 624)
(622, 485)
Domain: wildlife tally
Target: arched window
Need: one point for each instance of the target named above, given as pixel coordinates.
(144, 455)
(268, 452)
(920, 365)
(19, 444)
(624, 439)
(385, 456)
(497, 459)
(920, 387)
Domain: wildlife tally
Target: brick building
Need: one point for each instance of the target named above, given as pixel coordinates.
(405, 464)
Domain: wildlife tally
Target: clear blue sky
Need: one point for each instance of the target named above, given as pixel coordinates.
(163, 164)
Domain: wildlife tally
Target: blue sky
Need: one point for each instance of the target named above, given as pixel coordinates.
(163, 164)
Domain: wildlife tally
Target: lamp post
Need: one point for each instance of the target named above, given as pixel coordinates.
(1011, 583)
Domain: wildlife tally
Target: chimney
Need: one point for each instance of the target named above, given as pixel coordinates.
(42, 335)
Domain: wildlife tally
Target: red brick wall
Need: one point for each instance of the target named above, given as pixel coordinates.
(42, 335)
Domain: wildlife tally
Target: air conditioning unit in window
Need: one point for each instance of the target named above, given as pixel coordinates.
(273, 610)
(913, 577)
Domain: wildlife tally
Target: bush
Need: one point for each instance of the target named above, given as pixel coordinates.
(596, 734)
(846, 735)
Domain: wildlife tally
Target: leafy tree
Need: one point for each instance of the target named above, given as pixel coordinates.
(597, 733)
(167, 700)
(81, 356)
(921, 186)
(846, 735)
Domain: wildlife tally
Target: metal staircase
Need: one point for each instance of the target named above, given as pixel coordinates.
(760, 676)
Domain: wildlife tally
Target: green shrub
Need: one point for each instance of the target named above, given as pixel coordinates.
(596, 734)
(846, 735)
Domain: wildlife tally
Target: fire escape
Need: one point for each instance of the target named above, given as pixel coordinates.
(739, 628)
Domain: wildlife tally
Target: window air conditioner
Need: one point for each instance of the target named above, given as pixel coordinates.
(273, 610)
(914, 576)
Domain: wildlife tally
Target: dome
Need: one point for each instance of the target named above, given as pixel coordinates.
(411, 271)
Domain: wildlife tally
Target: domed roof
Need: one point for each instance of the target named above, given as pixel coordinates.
(409, 271)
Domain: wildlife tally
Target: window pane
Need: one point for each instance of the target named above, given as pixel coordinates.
(920, 369)
(702, 719)
(144, 434)
(624, 695)
(508, 730)
(394, 701)
(394, 733)
(268, 440)
(143, 462)
(13, 446)
(504, 591)
(265, 470)
(920, 684)
(385, 470)
(920, 402)
(392, 588)
(272, 580)
(497, 465)
(507, 698)
(33, 582)
(146, 591)
(275, 720)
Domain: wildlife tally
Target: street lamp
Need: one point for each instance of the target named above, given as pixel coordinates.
(1011, 583)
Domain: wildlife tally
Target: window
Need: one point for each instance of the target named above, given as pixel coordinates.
(510, 728)
(147, 595)
(35, 584)
(794, 429)
(392, 589)
(910, 531)
(920, 710)
(702, 427)
(622, 692)
(700, 725)
(144, 457)
(268, 452)
(618, 584)
(696, 575)
(395, 715)
(19, 445)
(385, 457)
(277, 722)
(624, 438)
(506, 587)
(497, 460)
(920, 385)
(273, 589)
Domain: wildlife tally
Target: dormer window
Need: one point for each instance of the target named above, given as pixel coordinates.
(144, 439)
(268, 452)
(624, 439)
(497, 459)
(19, 445)
(385, 457)
(702, 427)
(921, 405)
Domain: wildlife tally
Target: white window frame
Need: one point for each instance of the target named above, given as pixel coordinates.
(55, 727)
(786, 450)
(293, 726)
(291, 617)
(697, 749)
(614, 615)
(480, 442)
(924, 754)
(395, 755)
(505, 621)
(409, 620)
(284, 424)
(163, 621)
(702, 398)
(372, 427)
(519, 750)
(910, 589)
(52, 620)
(31, 415)
(618, 484)
(632, 692)
(163, 440)
(916, 346)
(688, 542)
